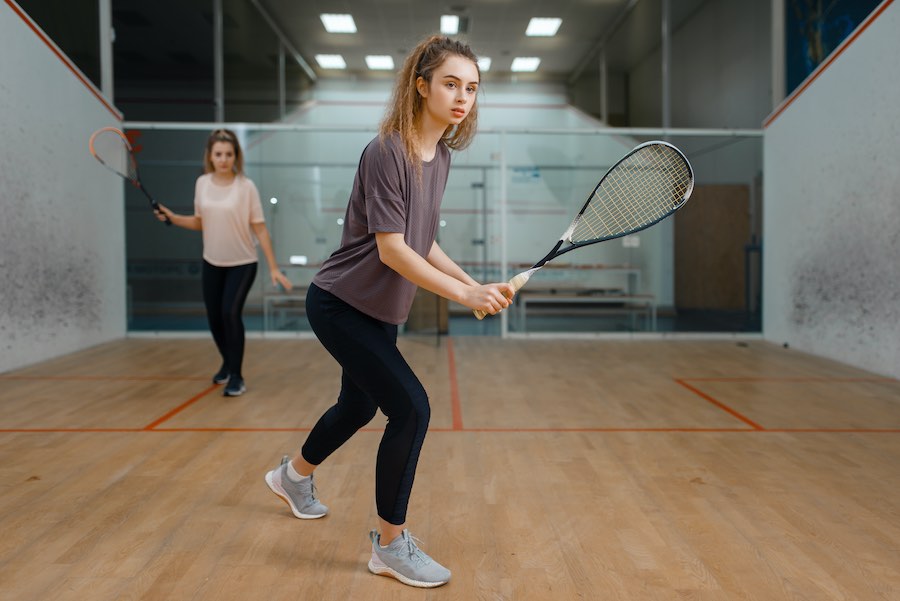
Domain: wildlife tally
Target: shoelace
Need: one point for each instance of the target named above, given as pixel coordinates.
(415, 553)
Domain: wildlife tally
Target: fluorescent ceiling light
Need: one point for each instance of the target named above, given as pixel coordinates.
(338, 23)
(449, 24)
(484, 63)
(525, 63)
(380, 63)
(331, 61)
(543, 27)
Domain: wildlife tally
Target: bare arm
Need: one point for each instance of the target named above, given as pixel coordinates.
(265, 242)
(396, 254)
(188, 222)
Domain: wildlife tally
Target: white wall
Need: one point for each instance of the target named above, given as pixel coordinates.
(832, 208)
(62, 263)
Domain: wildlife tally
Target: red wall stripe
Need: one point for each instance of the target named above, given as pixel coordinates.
(65, 59)
(821, 68)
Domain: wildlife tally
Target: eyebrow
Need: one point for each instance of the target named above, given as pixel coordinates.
(457, 78)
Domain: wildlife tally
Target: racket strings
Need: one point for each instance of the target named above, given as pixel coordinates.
(642, 189)
(112, 150)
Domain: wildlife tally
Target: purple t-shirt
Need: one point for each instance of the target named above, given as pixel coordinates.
(386, 197)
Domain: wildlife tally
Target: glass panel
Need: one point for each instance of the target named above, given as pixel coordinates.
(509, 198)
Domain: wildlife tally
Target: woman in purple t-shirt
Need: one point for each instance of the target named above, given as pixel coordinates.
(365, 289)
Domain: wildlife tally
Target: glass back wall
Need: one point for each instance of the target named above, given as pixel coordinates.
(509, 198)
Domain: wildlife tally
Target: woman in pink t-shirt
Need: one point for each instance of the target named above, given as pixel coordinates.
(229, 214)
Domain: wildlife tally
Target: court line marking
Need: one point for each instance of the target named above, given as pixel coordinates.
(623, 430)
(180, 408)
(824, 64)
(455, 405)
(456, 410)
(107, 378)
(65, 60)
(720, 405)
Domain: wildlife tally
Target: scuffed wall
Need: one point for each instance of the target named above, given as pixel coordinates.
(832, 208)
(62, 264)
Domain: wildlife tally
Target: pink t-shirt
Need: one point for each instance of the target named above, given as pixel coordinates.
(227, 212)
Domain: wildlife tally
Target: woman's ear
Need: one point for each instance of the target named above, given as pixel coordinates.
(422, 86)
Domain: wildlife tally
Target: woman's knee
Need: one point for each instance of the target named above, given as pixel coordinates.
(414, 405)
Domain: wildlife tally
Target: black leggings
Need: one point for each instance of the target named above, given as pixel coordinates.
(375, 376)
(225, 291)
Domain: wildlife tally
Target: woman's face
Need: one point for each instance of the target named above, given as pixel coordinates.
(222, 156)
(452, 91)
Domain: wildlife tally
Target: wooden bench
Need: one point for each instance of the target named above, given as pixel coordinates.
(569, 301)
(279, 305)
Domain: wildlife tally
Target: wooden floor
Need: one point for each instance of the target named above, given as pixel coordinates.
(553, 470)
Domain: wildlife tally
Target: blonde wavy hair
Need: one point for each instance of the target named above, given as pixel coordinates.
(406, 106)
(223, 135)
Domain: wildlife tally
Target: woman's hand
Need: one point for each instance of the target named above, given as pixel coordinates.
(279, 278)
(490, 298)
(164, 214)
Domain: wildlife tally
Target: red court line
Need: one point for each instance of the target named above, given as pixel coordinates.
(103, 378)
(790, 379)
(824, 65)
(180, 408)
(610, 430)
(65, 59)
(455, 406)
(720, 405)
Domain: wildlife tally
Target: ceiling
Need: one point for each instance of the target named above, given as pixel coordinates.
(173, 39)
(175, 36)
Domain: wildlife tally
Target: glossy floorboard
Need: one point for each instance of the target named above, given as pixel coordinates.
(554, 470)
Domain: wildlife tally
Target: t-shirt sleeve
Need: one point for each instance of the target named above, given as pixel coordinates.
(384, 175)
(256, 212)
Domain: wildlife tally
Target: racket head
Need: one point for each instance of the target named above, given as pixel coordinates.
(111, 148)
(647, 185)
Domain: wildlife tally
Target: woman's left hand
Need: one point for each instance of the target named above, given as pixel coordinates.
(279, 278)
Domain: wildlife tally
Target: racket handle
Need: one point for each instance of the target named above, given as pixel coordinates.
(517, 282)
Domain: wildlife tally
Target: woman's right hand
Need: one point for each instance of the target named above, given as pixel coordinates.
(163, 214)
(489, 298)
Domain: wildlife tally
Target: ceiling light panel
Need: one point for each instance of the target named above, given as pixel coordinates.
(449, 24)
(484, 63)
(525, 64)
(545, 27)
(338, 23)
(380, 62)
(331, 61)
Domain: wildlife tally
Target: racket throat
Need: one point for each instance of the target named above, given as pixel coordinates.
(552, 253)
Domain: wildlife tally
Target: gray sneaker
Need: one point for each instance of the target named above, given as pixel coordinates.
(300, 496)
(405, 561)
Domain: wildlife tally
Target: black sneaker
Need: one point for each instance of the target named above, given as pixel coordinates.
(235, 386)
(221, 376)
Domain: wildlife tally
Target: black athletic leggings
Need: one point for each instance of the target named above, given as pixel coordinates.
(375, 376)
(225, 291)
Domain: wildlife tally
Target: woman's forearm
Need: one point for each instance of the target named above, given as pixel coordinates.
(265, 243)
